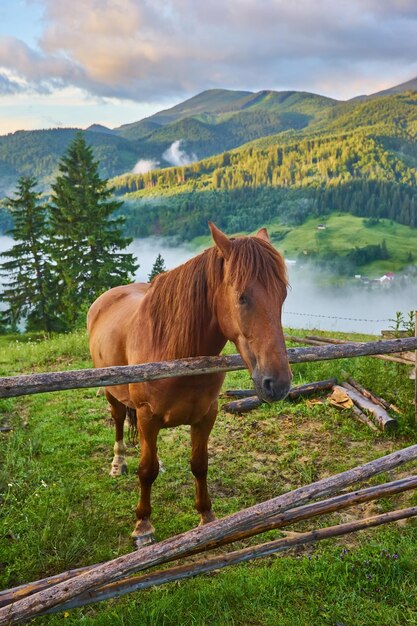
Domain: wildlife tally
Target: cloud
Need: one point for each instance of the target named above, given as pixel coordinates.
(144, 51)
(176, 156)
(145, 165)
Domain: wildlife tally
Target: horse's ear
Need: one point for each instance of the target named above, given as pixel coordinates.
(263, 234)
(222, 242)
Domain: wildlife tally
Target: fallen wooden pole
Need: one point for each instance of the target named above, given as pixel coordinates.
(371, 395)
(307, 511)
(294, 392)
(252, 402)
(239, 556)
(415, 368)
(361, 417)
(241, 394)
(242, 406)
(381, 417)
(202, 536)
(103, 377)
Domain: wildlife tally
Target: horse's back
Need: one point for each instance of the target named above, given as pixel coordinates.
(110, 320)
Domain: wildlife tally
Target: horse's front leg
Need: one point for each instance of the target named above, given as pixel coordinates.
(148, 428)
(199, 463)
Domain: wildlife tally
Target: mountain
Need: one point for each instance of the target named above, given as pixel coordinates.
(357, 157)
(410, 85)
(211, 123)
(37, 153)
(207, 124)
(99, 128)
(218, 119)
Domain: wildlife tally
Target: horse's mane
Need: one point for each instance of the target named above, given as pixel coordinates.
(181, 300)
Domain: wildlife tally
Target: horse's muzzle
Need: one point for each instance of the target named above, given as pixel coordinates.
(269, 388)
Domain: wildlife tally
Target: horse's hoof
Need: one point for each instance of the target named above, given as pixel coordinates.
(141, 541)
(206, 518)
(118, 469)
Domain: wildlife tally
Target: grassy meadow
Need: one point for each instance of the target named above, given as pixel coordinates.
(61, 510)
(343, 233)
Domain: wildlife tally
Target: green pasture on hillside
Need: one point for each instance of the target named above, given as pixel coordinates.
(61, 510)
(343, 232)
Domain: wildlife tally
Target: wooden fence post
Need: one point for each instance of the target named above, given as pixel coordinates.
(415, 368)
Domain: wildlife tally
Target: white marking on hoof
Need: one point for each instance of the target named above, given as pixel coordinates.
(118, 466)
(143, 540)
(143, 534)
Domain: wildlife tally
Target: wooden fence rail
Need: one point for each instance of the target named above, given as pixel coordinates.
(202, 537)
(102, 377)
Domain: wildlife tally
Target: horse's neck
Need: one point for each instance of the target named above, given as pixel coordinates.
(186, 327)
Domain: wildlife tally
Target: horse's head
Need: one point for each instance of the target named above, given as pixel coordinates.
(248, 306)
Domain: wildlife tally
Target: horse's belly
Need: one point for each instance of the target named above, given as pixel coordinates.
(177, 402)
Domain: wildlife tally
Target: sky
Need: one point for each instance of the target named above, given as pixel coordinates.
(112, 62)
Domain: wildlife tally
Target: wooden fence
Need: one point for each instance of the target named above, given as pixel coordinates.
(102, 377)
(105, 580)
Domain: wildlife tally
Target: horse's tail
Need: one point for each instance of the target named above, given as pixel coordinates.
(133, 425)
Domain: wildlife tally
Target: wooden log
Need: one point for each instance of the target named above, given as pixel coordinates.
(253, 402)
(294, 392)
(381, 417)
(102, 377)
(242, 406)
(361, 417)
(354, 411)
(311, 388)
(372, 396)
(176, 547)
(307, 340)
(240, 393)
(320, 340)
(182, 572)
(291, 516)
(415, 367)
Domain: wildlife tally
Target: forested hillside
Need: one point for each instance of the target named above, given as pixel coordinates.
(364, 161)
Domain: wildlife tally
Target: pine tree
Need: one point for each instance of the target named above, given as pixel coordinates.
(29, 291)
(157, 268)
(86, 239)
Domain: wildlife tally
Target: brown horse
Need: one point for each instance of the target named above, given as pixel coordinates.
(232, 291)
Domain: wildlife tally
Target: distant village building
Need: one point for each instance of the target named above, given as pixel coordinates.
(386, 278)
(321, 226)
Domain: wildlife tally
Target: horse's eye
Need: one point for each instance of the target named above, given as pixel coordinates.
(243, 299)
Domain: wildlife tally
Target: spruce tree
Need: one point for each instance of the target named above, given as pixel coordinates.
(86, 239)
(157, 268)
(29, 289)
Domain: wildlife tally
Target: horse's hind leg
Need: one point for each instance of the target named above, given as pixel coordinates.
(199, 464)
(118, 411)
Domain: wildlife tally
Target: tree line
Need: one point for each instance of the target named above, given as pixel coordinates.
(67, 250)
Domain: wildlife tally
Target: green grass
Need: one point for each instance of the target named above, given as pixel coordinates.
(60, 509)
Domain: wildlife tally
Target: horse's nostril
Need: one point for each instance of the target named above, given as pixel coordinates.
(274, 389)
(268, 385)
